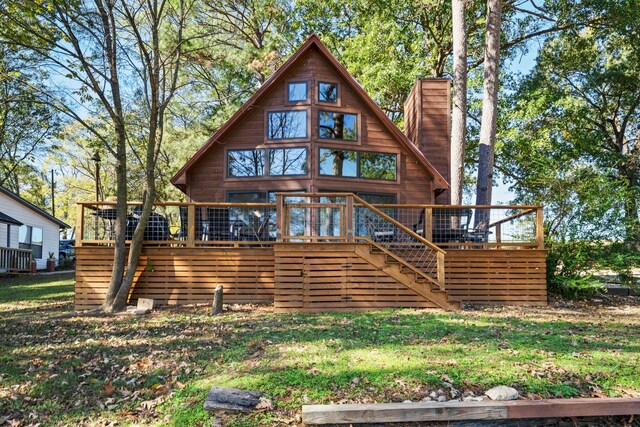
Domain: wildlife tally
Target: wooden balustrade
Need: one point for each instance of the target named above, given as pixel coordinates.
(14, 259)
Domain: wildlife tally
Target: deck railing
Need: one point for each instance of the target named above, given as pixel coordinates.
(321, 217)
(14, 259)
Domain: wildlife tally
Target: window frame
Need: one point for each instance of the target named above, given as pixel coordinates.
(228, 170)
(338, 100)
(343, 112)
(297, 102)
(358, 168)
(267, 163)
(30, 245)
(269, 111)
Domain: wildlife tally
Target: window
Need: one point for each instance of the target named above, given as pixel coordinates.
(288, 161)
(245, 163)
(327, 92)
(31, 238)
(253, 163)
(338, 162)
(378, 198)
(333, 125)
(287, 124)
(297, 91)
(358, 164)
(378, 166)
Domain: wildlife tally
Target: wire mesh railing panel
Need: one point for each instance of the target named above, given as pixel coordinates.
(397, 240)
(314, 222)
(213, 225)
(235, 225)
(469, 226)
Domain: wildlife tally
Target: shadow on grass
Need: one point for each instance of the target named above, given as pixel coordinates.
(399, 353)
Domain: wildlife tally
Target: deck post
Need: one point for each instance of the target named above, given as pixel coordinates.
(498, 235)
(348, 218)
(191, 222)
(440, 268)
(428, 224)
(539, 228)
(79, 223)
(279, 217)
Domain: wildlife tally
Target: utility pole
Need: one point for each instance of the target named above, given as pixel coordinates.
(53, 196)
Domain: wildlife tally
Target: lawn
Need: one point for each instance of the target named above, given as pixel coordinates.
(58, 367)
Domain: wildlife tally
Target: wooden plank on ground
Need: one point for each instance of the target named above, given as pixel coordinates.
(458, 411)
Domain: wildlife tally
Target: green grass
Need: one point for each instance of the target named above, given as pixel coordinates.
(66, 368)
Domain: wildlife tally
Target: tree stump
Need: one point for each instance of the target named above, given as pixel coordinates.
(216, 308)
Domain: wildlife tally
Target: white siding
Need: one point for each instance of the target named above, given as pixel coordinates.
(13, 230)
(27, 216)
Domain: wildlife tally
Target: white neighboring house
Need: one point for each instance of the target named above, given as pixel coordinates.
(23, 225)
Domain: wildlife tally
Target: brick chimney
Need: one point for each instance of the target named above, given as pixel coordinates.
(427, 124)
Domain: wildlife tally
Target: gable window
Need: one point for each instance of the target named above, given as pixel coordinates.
(378, 166)
(358, 164)
(245, 163)
(296, 91)
(287, 124)
(327, 92)
(334, 125)
(288, 161)
(272, 162)
(31, 238)
(338, 162)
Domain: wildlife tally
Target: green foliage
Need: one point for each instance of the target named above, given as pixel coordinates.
(572, 266)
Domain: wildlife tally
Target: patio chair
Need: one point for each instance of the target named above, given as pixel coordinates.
(448, 225)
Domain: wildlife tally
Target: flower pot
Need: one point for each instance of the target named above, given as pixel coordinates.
(51, 265)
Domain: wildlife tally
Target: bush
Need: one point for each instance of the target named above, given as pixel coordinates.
(570, 266)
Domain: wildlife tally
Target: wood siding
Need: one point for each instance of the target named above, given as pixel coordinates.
(305, 278)
(180, 275)
(428, 124)
(207, 181)
(326, 277)
(496, 276)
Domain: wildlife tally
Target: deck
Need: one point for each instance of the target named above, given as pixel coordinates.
(322, 252)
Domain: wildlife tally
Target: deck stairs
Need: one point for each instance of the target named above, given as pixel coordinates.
(403, 272)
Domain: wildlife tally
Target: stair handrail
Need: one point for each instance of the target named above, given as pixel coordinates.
(399, 225)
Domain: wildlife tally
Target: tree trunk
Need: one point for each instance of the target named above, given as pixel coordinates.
(459, 116)
(489, 108)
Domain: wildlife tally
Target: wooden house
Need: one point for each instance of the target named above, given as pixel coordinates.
(310, 197)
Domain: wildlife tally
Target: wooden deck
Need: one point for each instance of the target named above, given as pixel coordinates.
(303, 268)
(316, 280)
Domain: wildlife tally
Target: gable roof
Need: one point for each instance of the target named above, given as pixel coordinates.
(6, 219)
(312, 41)
(33, 207)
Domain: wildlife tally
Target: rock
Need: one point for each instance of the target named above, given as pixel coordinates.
(406, 401)
(145, 303)
(433, 395)
(502, 393)
(442, 399)
(141, 311)
(233, 399)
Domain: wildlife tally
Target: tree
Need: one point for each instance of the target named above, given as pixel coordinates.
(27, 126)
(459, 114)
(95, 46)
(573, 135)
(489, 106)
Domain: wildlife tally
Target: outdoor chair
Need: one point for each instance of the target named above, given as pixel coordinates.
(448, 225)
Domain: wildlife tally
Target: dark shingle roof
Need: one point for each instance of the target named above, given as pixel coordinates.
(6, 219)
